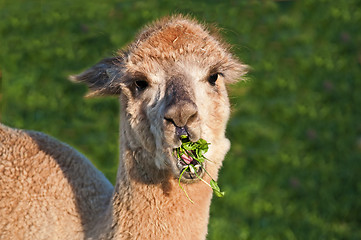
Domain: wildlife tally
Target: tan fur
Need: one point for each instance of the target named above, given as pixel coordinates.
(50, 191)
(47, 189)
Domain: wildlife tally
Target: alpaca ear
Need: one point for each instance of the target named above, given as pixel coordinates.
(103, 78)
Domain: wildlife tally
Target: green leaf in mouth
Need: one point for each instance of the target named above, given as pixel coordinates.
(196, 151)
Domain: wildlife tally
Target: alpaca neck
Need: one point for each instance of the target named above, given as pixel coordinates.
(148, 203)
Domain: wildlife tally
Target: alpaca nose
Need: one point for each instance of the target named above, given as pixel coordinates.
(181, 113)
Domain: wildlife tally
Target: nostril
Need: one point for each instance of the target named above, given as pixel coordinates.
(170, 120)
(179, 131)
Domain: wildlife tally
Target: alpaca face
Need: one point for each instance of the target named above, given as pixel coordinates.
(172, 82)
(186, 100)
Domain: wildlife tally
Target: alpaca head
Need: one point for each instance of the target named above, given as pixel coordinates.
(171, 81)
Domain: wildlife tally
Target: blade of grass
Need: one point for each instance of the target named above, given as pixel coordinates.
(179, 183)
(195, 171)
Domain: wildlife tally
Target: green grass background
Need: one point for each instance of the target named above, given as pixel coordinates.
(294, 169)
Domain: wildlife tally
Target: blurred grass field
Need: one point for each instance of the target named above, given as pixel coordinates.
(294, 169)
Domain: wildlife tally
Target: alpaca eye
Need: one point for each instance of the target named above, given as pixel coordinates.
(212, 79)
(141, 85)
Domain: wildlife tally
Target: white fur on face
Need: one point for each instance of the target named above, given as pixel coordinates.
(155, 112)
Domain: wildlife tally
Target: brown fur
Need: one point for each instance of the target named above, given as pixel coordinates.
(50, 191)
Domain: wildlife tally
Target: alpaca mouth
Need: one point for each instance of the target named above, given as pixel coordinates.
(189, 164)
(189, 168)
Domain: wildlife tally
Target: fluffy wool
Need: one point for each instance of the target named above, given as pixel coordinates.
(164, 82)
(48, 190)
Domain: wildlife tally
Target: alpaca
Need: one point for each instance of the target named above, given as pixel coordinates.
(171, 81)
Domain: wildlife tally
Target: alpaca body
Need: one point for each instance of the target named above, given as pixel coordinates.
(171, 82)
(69, 207)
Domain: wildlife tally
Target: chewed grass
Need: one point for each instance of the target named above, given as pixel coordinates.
(191, 156)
